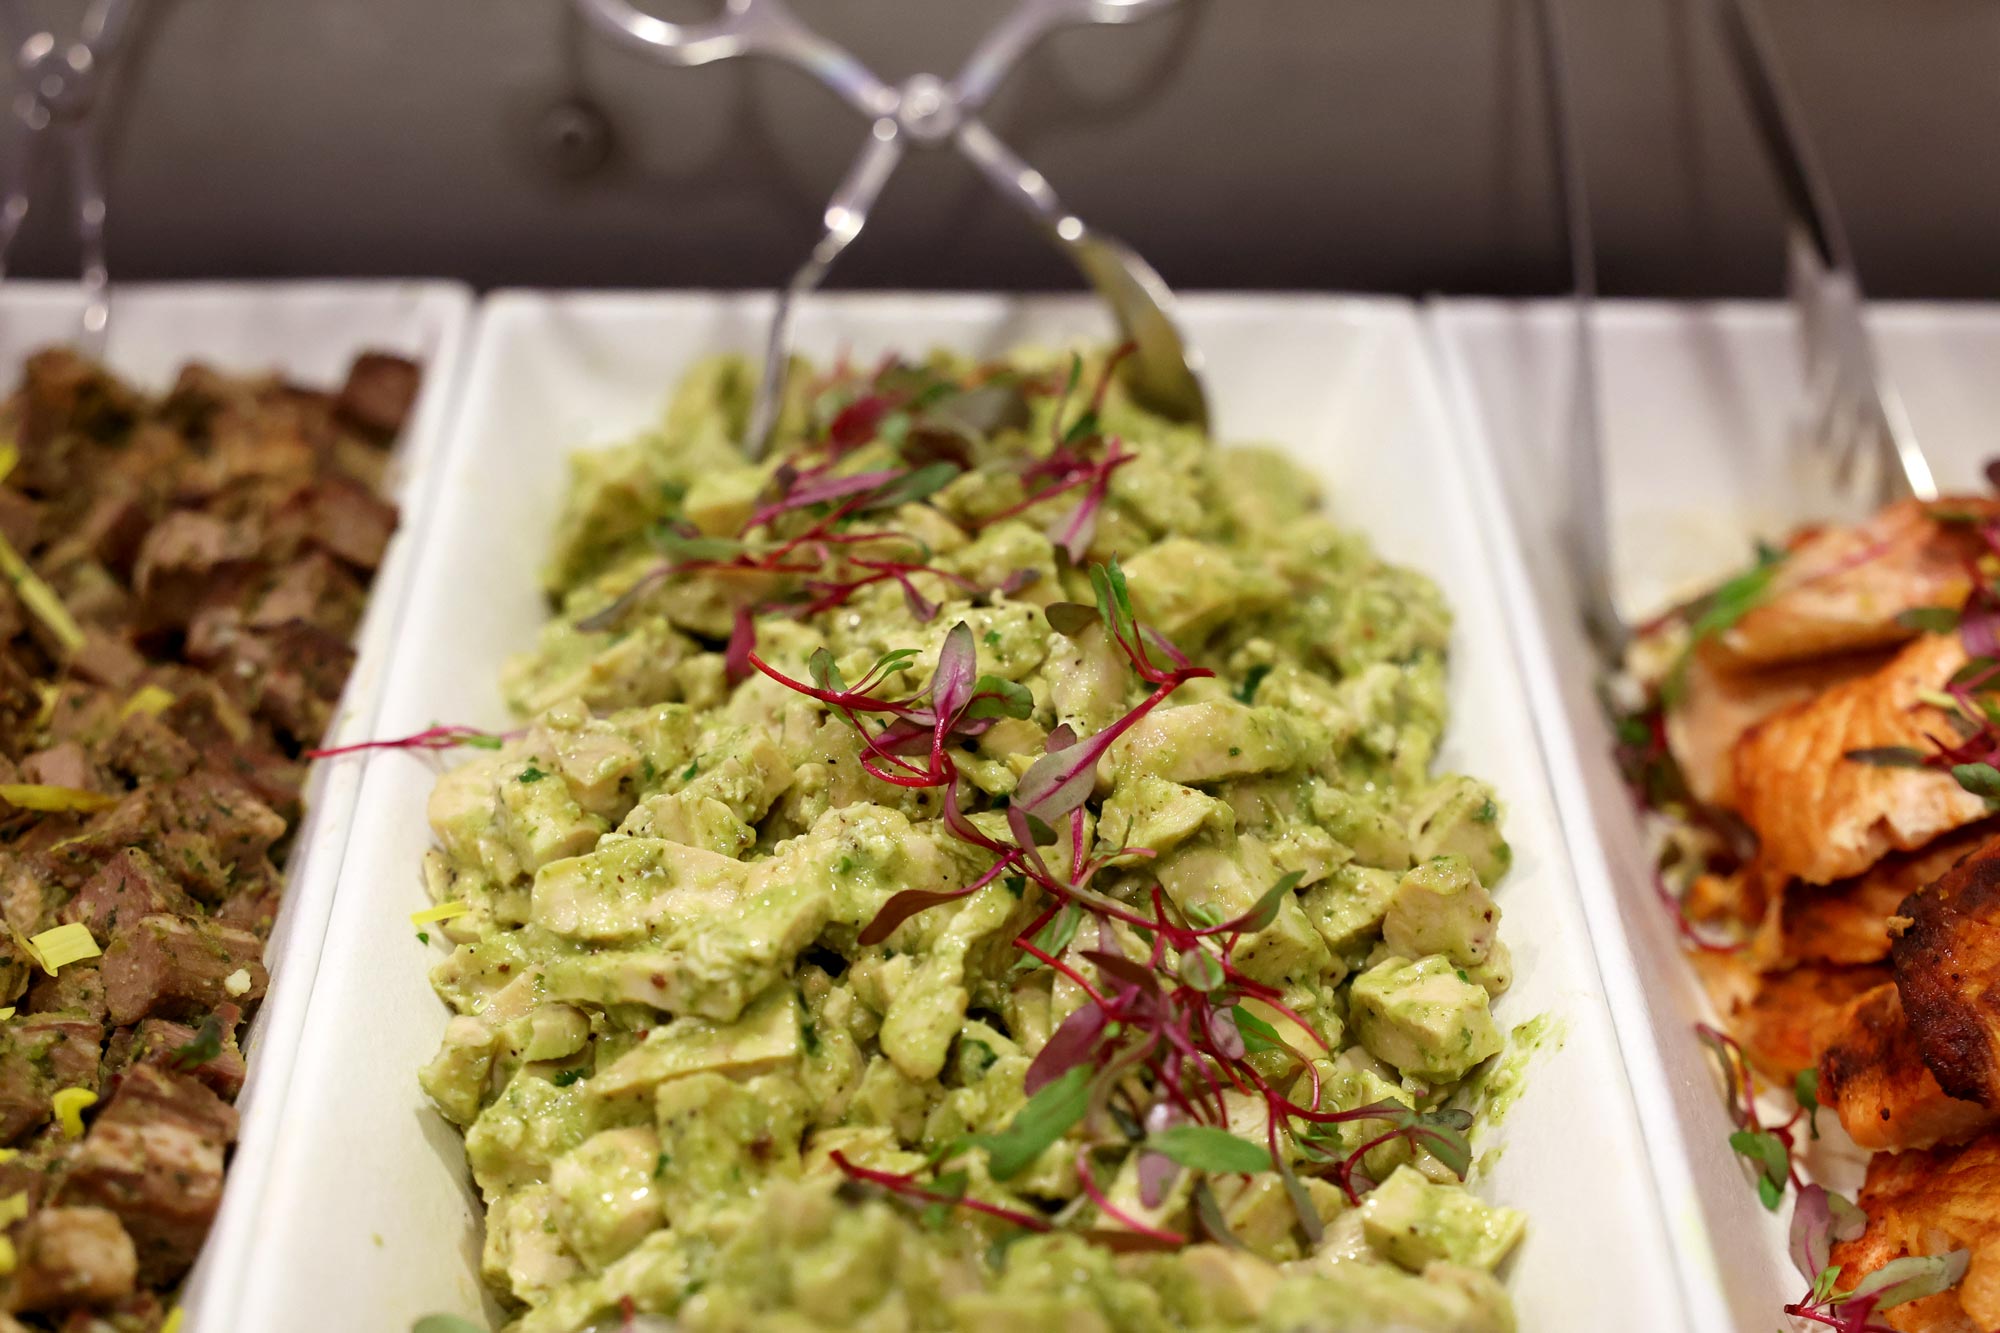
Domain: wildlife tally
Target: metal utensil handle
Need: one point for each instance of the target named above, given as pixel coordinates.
(1588, 520)
(846, 214)
(747, 28)
(1029, 22)
(1781, 129)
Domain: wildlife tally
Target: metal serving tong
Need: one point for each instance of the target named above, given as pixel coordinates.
(1854, 428)
(58, 98)
(927, 112)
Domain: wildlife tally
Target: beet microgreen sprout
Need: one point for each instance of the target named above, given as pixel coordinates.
(1770, 1149)
(435, 737)
(1821, 1218)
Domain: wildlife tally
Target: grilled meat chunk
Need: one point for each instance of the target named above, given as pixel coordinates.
(1947, 962)
(172, 967)
(129, 886)
(73, 1256)
(154, 1157)
(40, 1053)
(1820, 816)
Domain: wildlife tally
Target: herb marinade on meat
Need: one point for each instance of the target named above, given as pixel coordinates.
(979, 869)
(185, 573)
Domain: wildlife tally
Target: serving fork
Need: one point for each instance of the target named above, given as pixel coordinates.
(926, 111)
(1853, 433)
(59, 91)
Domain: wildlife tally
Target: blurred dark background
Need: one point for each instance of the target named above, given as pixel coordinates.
(1368, 145)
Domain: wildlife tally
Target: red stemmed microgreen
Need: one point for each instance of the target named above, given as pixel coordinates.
(1821, 1218)
(1143, 1063)
(1770, 1149)
(437, 737)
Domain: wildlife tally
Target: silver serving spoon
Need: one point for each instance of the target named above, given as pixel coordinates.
(1163, 372)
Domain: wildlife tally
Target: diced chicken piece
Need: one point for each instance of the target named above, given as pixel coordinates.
(1929, 1203)
(154, 1156)
(1715, 707)
(1781, 1018)
(1848, 922)
(378, 395)
(1872, 1075)
(1947, 959)
(70, 1257)
(168, 967)
(40, 1053)
(129, 886)
(1820, 816)
(1841, 588)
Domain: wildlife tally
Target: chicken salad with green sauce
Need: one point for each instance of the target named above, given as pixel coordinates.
(979, 868)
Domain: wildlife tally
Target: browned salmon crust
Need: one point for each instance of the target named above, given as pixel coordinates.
(1841, 589)
(1930, 1203)
(1782, 1019)
(1820, 816)
(1848, 922)
(1872, 1075)
(1947, 961)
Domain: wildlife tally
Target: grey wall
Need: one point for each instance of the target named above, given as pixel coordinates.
(1391, 145)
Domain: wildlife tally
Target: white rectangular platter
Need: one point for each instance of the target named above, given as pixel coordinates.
(1697, 402)
(370, 1221)
(309, 332)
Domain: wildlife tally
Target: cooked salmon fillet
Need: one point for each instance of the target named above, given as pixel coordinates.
(1781, 1019)
(1840, 589)
(1715, 706)
(1872, 1075)
(1931, 1203)
(1848, 921)
(1820, 816)
(1947, 961)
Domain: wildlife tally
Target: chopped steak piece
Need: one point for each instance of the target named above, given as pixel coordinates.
(129, 886)
(145, 749)
(1872, 1074)
(73, 1256)
(105, 660)
(1947, 962)
(379, 392)
(180, 562)
(179, 1048)
(168, 967)
(64, 765)
(154, 1157)
(77, 990)
(215, 547)
(352, 522)
(40, 1053)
